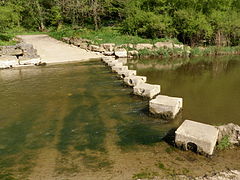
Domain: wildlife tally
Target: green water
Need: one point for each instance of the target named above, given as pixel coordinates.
(209, 86)
(78, 121)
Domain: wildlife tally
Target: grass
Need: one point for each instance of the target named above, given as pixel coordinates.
(224, 143)
(145, 175)
(104, 35)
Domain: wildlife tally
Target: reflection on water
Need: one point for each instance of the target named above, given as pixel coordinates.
(78, 120)
(210, 87)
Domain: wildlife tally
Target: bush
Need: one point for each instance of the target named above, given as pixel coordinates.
(224, 143)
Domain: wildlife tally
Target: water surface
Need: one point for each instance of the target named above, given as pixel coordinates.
(78, 121)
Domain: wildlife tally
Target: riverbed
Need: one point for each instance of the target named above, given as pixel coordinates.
(78, 121)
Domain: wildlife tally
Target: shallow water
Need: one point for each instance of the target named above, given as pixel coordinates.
(77, 121)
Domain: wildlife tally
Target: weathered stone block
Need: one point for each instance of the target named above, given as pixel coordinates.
(197, 136)
(134, 80)
(108, 46)
(165, 106)
(146, 90)
(144, 46)
(163, 45)
(115, 63)
(120, 53)
(119, 68)
(127, 73)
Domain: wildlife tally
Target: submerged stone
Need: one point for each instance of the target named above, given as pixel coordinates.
(146, 90)
(197, 136)
(166, 106)
(134, 80)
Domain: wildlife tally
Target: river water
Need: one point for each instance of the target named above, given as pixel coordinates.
(78, 121)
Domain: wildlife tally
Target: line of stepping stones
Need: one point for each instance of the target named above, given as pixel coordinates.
(163, 106)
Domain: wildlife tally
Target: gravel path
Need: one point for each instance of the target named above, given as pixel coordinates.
(54, 51)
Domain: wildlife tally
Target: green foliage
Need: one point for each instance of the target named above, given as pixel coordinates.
(224, 143)
(145, 175)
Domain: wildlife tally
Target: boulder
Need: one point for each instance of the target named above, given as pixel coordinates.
(123, 60)
(163, 45)
(66, 40)
(232, 131)
(83, 45)
(165, 106)
(134, 80)
(196, 136)
(146, 90)
(108, 46)
(119, 68)
(120, 53)
(127, 73)
(95, 48)
(8, 64)
(143, 46)
(108, 53)
(133, 53)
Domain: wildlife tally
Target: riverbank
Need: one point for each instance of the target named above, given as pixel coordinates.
(136, 46)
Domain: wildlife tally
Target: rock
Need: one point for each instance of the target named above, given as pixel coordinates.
(66, 40)
(8, 64)
(119, 68)
(83, 45)
(179, 46)
(133, 53)
(127, 46)
(108, 59)
(108, 46)
(163, 45)
(115, 63)
(108, 53)
(134, 80)
(197, 136)
(123, 60)
(232, 131)
(36, 61)
(120, 53)
(146, 90)
(165, 106)
(143, 46)
(94, 48)
(8, 58)
(127, 73)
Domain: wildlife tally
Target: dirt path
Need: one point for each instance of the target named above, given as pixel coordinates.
(54, 51)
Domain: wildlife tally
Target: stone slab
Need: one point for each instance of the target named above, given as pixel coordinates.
(115, 63)
(119, 68)
(127, 73)
(166, 106)
(134, 80)
(204, 136)
(146, 90)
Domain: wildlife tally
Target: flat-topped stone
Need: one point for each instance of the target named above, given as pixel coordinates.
(165, 106)
(197, 136)
(119, 68)
(115, 63)
(134, 80)
(146, 90)
(127, 73)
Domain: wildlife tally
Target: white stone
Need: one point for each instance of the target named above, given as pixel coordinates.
(163, 45)
(146, 90)
(120, 53)
(108, 59)
(115, 63)
(31, 62)
(144, 46)
(127, 73)
(166, 105)
(119, 68)
(203, 136)
(134, 80)
(123, 60)
(8, 64)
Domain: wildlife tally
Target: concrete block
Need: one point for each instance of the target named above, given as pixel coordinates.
(108, 59)
(127, 73)
(115, 63)
(146, 90)
(134, 80)
(166, 106)
(197, 136)
(119, 68)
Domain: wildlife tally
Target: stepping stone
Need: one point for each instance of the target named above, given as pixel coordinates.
(146, 90)
(127, 73)
(197, 136)
(119, 68)
(115, 63)
(165, 106)
(135, 80)
(108, 59)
